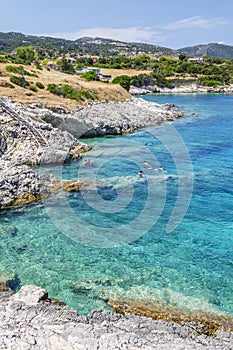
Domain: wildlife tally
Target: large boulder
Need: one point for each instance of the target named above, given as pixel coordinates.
(21, 185)
(29, 295)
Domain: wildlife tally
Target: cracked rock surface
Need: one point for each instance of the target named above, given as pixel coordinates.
(29, 320)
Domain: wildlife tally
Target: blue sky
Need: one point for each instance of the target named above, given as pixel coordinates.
(173, 24)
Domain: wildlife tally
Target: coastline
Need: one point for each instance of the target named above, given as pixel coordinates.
(102, 118)
(20, 148)
(31, 320)
(29, 155)
(183, 89)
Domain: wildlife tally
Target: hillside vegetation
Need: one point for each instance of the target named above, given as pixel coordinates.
(42, 85)
(171, 72)
(92, 46)
(27, 76)
(51, 47)
(221, 51)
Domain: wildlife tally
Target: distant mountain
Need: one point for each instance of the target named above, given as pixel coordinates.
(10, 41)
(102, 46)
(115, 47)
(94, 46)
(224, 52)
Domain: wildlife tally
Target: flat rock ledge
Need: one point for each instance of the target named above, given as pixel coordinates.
(30, 320)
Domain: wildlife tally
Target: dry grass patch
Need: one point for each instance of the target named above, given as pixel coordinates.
(105, 91)
(116, 72)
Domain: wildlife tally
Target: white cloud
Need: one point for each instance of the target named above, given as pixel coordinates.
(220, 42)
(195, 22)
(128, 34)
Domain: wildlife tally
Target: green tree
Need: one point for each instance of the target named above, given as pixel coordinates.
(66, 66)
(91, 75)
(160, 79)
(26, 54)
(183, 57)
(123, 80)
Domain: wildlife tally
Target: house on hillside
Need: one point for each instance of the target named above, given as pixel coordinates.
(195, 60)
(105, 78)
(95, 58)
(85, 70)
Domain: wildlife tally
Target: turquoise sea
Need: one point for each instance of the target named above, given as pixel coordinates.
(114, 241)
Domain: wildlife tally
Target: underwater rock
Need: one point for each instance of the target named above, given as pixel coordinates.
(8, 230)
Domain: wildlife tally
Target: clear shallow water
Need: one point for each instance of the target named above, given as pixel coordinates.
(189, 267)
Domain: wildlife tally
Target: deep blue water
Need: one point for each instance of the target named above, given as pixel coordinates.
(114, 241)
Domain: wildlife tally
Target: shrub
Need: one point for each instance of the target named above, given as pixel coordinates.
(26, 54)
(69, 92)
(89, 95)
(38, 66)
(3, 59)
(90, 76)
(20, 70)
(208, 81)
(161, 81)
(65, 66)
(19, 81)
(123, 80)
(15, 69)
(33, 88)
(142, 80)
(39, 85)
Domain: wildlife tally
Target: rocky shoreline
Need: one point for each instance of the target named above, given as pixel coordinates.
(103, 118)
(20, 149)
(59, 128)
(31, 320)
(183, 89)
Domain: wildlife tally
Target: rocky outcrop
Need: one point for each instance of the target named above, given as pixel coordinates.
(187, 88)
(21, 185)
(134, 90)
(104, 118)
(20, 147)
(193, 88)
(35, 135)
(124, 117)
(22, 144)
(30, 320)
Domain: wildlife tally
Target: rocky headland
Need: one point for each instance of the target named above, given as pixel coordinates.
(36, 135)
(102, 118)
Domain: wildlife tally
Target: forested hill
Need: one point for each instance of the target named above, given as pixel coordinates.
(93, 46)
(105, 47)
(10, 41)
(114, 47)
(225, 52)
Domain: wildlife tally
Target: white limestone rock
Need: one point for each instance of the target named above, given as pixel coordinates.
(29, 295)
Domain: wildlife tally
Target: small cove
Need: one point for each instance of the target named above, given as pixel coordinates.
(190, 267)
